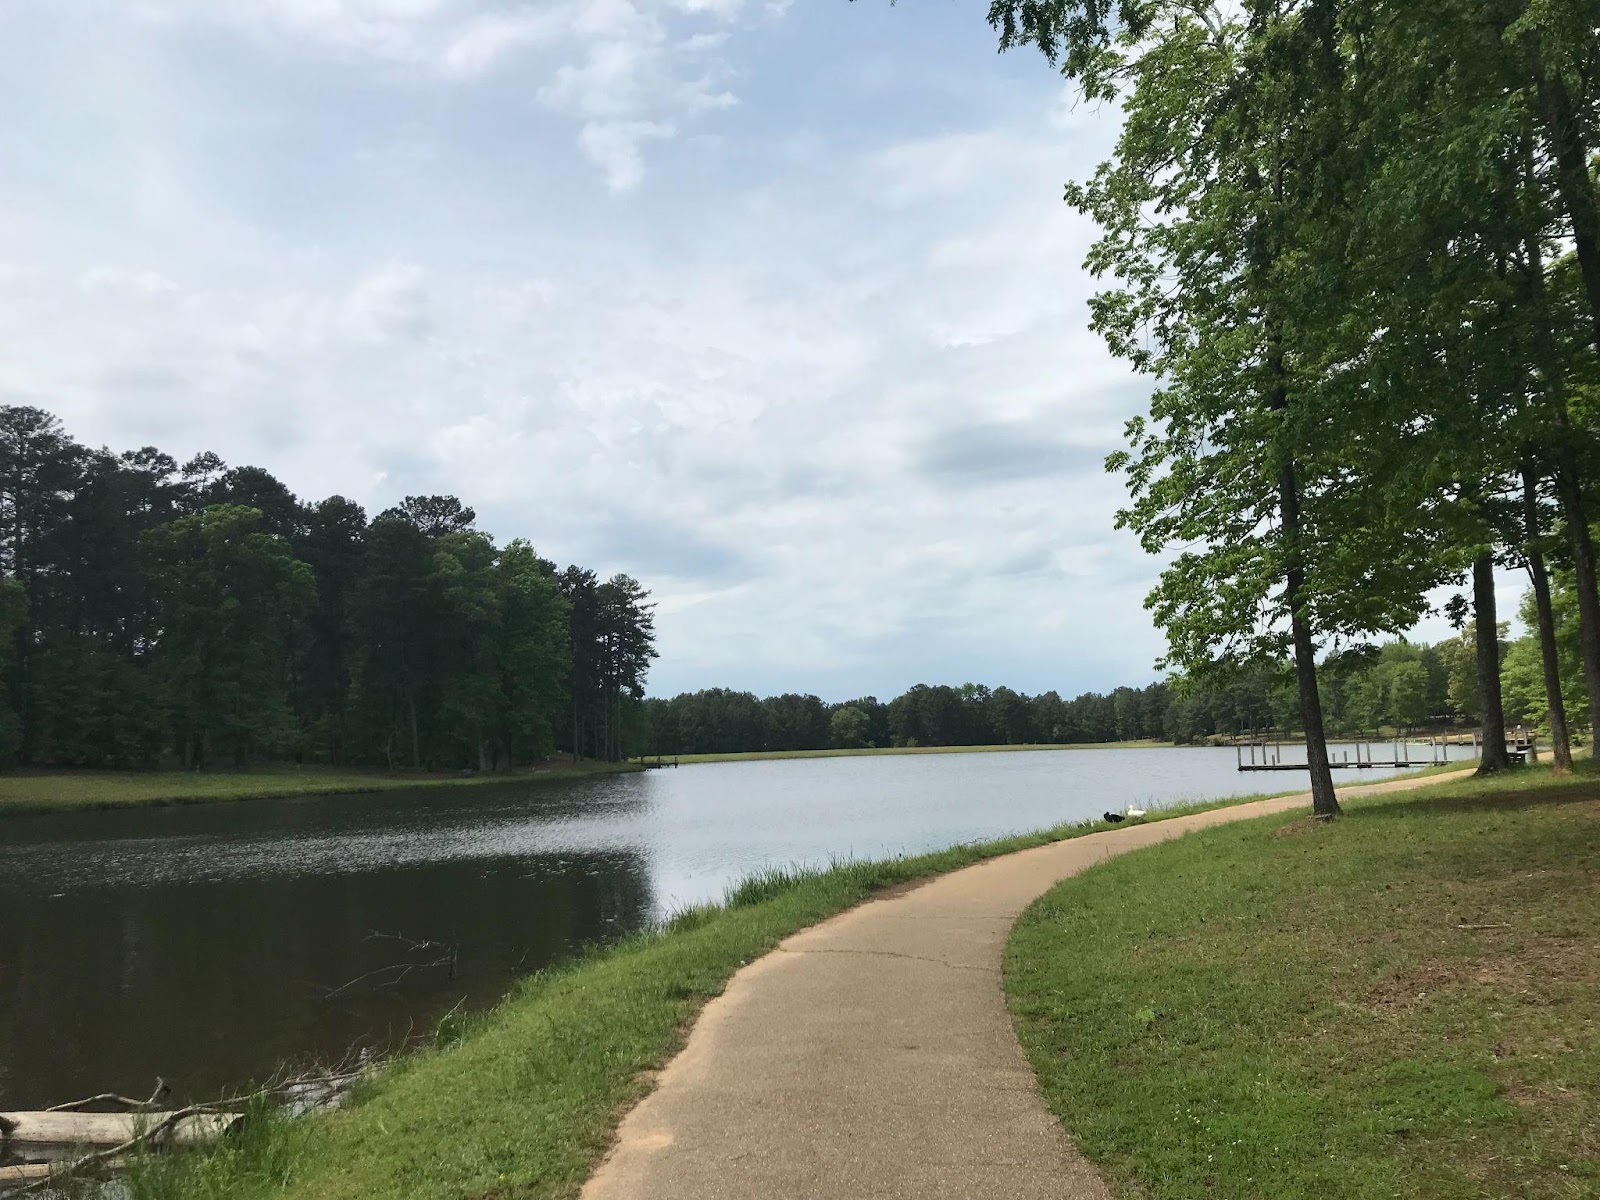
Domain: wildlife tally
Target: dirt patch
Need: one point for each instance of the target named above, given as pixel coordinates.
(1583, 799)
(1409, 988)
(1540, 1097)
(1296, 828)
(1537, 971)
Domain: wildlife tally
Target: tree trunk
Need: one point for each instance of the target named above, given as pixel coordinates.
(1324, 803)
(1569, 489)
(1488, 646)
(416, 743)
(1584, 580)
(1560, 743)
(1574, 184)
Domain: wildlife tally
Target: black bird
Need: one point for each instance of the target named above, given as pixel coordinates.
(1115, 817)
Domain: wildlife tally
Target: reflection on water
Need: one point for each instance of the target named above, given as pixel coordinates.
(207, 944)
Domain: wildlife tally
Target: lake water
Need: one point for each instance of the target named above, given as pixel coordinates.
(207, 944)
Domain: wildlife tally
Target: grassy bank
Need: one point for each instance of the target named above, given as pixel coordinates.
(524, 1100)
(23, 792)
(874, 751)
(1401, 1003)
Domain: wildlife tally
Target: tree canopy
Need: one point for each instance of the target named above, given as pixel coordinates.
(1355, 246)
(202, 614)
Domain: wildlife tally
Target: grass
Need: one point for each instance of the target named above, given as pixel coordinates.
(1403, 1002)
(523, 1100)
(873, 751)
(25, 792)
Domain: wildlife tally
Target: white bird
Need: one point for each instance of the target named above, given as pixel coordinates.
(1136, 812)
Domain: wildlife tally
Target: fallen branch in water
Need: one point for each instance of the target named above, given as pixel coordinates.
(306, 1090)
(126, 1103)
(141, 1139)
(393, 974)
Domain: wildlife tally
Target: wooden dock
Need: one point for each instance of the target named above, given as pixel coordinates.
(1521, 746)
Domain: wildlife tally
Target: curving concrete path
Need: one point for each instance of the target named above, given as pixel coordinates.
(872, 1055)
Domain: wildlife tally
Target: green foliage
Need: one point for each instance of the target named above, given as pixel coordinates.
(613, 642)
(720, 721)
(152, 612)
(1356, 247)
(849, 729)
(229, 595)
(1526, 699)
(13, 613)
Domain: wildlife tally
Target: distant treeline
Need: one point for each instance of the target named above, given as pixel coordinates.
(1399, 687)
(721, 721)
(201, 614)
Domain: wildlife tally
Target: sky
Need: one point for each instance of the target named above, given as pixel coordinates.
(773, 305)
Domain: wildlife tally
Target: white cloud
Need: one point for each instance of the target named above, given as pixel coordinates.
(120, 279)
(830, 395)
(626, 71)
(480, 43)
(614, 147)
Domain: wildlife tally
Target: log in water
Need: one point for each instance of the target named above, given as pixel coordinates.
(110, 1129)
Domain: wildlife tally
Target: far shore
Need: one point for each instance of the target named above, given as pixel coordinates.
(869, 751)
(30, 792)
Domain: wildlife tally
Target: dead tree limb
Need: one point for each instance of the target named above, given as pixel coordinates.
(101, 1157)
(126, 1103)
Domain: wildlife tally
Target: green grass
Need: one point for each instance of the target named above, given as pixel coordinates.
(1403, 1002)
(524, 1100)
(23, 792)
(872, 751)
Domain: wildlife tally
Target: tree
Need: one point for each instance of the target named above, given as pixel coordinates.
(625, 631)
(1525, 673)
(1220, 218)
(530, 653)
(1408, 694)
(39, 467)
(1544, 622)
(797, 722)
(849, 729)
(1460, 657)
(203, 613)
(395, 623)
(435, 516)
(229, 595)
(331, 544)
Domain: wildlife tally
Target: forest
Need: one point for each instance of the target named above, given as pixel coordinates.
(1354, 248)
(202, 615)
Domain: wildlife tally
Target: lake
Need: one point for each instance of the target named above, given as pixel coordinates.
(207, 944)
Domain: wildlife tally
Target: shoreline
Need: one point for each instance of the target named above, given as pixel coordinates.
(48, 791)
(594, 1030)
(889, 751)
(1014, 748)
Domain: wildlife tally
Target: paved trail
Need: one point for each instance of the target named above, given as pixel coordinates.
(872, 1056)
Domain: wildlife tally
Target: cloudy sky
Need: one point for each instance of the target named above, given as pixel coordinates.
(775, 306)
